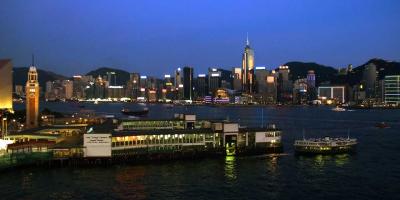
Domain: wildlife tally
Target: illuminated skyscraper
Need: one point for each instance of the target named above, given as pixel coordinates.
(32, 98)
(214, 80)
(6, 84)
(237, 78)
(188, 83)
(248, 69)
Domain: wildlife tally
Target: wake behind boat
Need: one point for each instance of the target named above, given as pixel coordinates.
(326, 145)
(129, 112)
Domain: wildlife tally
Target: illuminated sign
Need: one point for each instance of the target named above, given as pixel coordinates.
(167, 76)
(115, 87)
(201, 75)
(142, 89)
(97, 145)
(143, 77)
(260, 68)
(181, 85)
(215, 75)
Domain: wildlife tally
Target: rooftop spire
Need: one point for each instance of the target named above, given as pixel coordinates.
(33, 60)
(247, 39)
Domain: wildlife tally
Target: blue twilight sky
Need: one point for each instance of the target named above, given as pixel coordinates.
(155, 37)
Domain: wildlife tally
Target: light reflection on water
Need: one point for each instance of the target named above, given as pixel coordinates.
(230, 168)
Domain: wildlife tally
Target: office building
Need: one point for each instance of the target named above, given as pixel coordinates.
(237, 78)
(248, 69)
(214, 80)
(133, 86)
(333, 93)
(6, 85)
(188, 83)
(285, 93)
(201, 88)
(311, 86)
(369, 80)
(271, 88)
(261, 79)
(392, 89)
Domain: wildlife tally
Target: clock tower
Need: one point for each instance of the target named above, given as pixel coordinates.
(32, 98)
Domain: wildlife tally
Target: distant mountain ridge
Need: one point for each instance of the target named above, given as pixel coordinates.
(20, 76)
(298, 70)
(122, 76)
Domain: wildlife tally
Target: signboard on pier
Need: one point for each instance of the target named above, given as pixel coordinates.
(97, 145)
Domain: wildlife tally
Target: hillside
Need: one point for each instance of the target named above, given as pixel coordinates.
(300, 70)
(20, 76)
(122, 76)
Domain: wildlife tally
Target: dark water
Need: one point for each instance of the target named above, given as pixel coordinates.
(372, 173)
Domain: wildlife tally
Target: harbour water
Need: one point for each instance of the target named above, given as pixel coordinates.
(372, 173)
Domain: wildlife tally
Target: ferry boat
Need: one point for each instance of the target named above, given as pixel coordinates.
(382, 125)
(142, 112)
(338, 109)
(326, 145)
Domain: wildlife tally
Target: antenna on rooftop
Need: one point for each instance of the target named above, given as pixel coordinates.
(33, 60)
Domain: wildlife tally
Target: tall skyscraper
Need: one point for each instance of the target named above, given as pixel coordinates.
(133, 86)
(178, 77)
(272, 87)
(261, 79)
(392, 89)
(32, 98)
(214, 80)
(6, 84)
(284, 85)
(248, 69)
(369, 80)
(311, 86)
(188, 83)
(201, 86)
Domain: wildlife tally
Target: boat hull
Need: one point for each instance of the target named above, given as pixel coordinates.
(325, 151)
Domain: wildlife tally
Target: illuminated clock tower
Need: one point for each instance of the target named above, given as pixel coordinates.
(32, 98)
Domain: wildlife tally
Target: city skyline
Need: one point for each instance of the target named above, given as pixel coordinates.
(171, 35)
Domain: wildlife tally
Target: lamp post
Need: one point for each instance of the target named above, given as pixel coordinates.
(4, 127)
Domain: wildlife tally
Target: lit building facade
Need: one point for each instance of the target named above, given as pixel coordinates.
(6, 84)
(32, 98)
(214, 80)
(248, 69)
(201, 86)
(237, 78)
(336, 93)
(188, 83)
(285, 86)
(392, 89)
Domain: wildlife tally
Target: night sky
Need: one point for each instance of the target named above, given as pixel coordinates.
(155, 37)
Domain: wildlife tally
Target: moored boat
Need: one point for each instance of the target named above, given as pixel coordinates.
(326, 145)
